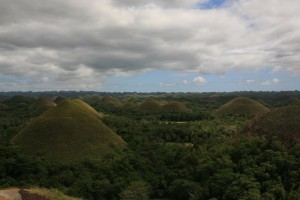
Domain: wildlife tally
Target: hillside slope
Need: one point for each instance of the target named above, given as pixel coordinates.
(175, 107)
(282, 123)
(71, 131)
(242, 106)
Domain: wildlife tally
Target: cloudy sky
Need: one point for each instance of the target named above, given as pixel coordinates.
(149, 45)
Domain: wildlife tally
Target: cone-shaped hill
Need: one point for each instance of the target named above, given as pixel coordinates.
(41, 105)
(92, 99)
(111, 102)
(282, 123)
(59, 99)
(150, 105)
(242, 106)
(130, 99)
(72, 131)
(175, 107)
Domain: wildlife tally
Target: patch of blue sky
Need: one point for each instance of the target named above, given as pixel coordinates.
(211, 4)
(172, 81)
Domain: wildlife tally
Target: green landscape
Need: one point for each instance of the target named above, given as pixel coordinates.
(92, 145)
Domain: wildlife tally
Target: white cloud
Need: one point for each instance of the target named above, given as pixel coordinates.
(270, 82)
(93, 39)
(164, 3)
(185, 82)
(200, 81)
(250, 81)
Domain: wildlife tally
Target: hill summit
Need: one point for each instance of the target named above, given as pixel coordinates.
(150, 105)
(175, 107)
(111, 102)
(41, 105)
(71, 131)
(242, 106)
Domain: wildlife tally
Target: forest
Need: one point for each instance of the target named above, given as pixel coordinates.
(192, 153)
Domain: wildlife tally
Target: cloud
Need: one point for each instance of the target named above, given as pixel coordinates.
(74, 43)
(270, 82)
(200, 81)
(164, 3)
(185, 82)
(250, 81)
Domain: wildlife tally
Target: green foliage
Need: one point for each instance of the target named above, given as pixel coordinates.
(136, 190)
(169, 155)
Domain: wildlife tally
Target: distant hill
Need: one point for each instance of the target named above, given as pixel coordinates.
(242, 106)
(92, 99)
(41, 105)
(150, 105)
(130, 99)
(19, 101)
(59, 99)
(111, 102)
(71, 131)
(175, 107)
(282, 123)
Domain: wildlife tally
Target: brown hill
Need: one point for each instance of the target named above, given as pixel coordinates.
(150, 105)
(242, 106)
(282, 123)
(112, 102)
(71, 131)
(175, 107)
(59, 99)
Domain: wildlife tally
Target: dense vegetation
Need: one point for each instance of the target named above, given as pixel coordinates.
(169, 155)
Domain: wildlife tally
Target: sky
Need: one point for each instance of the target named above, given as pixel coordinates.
(150, 46)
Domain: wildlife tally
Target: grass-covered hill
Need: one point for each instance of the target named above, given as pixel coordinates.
(111, 102)
(282, 123)
(150, 105)
(92, 99)
(175, 107)
(153, 105)
(130, 98)
(41, 105)
(59, 99)
(242, 106)
(71, 131)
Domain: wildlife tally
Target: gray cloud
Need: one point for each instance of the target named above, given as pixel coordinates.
(63, 41)
(166, 3)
